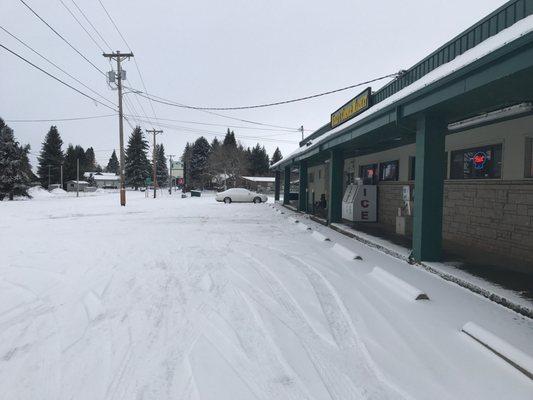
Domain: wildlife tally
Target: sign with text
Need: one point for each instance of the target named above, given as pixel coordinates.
(365, 205)
(354, 107)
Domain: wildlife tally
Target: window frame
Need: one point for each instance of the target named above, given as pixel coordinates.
(385, 164)
(478, 147)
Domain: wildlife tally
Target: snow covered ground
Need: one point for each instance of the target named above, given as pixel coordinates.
(192, 299)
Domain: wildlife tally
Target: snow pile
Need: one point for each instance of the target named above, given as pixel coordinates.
(58, 192)
(38, 192)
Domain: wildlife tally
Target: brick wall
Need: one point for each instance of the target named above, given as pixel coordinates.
(492, 216)
(495, 216)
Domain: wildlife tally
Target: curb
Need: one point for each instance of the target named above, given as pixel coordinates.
(496, 298)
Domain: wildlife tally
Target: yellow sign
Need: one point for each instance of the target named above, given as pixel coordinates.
(354, 107)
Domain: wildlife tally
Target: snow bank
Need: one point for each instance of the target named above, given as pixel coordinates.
(320, 237)
(345, 252)
(501, 348)
(37, 192)
(58, 191)
(398, 285)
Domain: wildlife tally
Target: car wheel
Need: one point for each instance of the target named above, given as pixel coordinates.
(257, 200)
(227, 200)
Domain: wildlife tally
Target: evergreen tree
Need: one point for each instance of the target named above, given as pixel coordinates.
(90, 160)
(186, 160)
(70, 165)
(199, 163)
(276, 156)
(229, 140)
(14, 181)
(137, 164)
(50, 158)
(161, 166)
(113, 164)
(259, 161)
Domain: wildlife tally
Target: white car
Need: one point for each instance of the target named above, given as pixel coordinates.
(239, 195)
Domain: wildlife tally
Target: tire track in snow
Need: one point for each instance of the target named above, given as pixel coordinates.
(327, 363)
(259, 354)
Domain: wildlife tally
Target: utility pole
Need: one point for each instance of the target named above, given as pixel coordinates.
(78, 177)
(302, 130)
(119, 57)
(49, 166)
(154, 158)
(61, 175)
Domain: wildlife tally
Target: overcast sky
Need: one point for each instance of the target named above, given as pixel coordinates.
(215, 53)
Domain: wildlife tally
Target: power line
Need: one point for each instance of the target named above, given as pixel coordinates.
(55, 78)
(55, 65)
(81, 25)
(60, 119)
(248, 121)
(277, 103)
(91, 24)
(62, 38)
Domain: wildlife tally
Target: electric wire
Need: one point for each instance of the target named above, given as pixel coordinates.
(277, 103)
(55, 78)
(62, 38)
(55, 65)
(82, 27)
(91, 24)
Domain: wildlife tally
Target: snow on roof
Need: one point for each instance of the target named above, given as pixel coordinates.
(259, 178)
(108, 177)
(95, 174)
(486, 47)
(81, 182)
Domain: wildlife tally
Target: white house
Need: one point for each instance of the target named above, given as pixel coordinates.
(104, 180)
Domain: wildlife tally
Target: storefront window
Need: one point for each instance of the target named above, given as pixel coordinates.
(529, 158)
(412, 167)
(477, 163)
(311, 177)
(388, 171)
(368, 174)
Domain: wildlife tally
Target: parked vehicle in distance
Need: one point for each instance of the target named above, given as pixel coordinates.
(240, 195)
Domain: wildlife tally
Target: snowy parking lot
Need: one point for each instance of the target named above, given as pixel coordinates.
(193, 299)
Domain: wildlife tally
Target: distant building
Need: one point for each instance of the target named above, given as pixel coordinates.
(103, 180)
(72, 186)
(260, 184)
(176, 172)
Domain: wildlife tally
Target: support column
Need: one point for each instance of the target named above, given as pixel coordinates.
(429, 188)
(336, 171)
(302, 196)
(277, 185)
(286, 184)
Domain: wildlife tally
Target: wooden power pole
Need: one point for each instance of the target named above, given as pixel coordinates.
(119, 57)
(154, 158)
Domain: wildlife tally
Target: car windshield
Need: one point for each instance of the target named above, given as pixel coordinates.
(266, 200)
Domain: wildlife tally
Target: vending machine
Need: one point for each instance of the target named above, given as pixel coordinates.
(359, 203)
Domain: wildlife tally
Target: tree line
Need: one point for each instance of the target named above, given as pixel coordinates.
(16, 174)
(214, 164)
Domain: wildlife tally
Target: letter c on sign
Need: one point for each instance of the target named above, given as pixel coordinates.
(365, 203)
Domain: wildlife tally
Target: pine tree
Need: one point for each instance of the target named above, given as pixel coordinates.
(276, 156)
(199, 162)
(161, 166)
(14, 181)
(229, 140)
(70, 166)
(113, 165)
(259, 161)
(186, 160)
(90, 160)
(137, 164)
(51, 157)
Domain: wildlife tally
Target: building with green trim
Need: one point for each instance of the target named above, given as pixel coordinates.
(456, 128)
